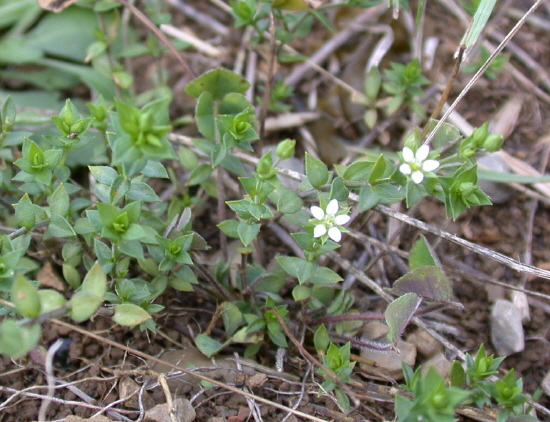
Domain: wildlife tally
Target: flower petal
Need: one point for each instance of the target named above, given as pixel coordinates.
(335, 234)
(332, 207)
(430, 165)
(422, 152)
(405, 169)
(341, 219)
(408, 155)
(319, 230)
(417, 177)
(317, 212)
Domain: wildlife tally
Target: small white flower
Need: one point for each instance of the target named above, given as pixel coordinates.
(327, 221)
(416, 165)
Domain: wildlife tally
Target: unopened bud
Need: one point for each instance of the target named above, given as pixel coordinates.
(285, 149)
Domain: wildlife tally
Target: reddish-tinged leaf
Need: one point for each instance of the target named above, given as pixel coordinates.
(398, 314)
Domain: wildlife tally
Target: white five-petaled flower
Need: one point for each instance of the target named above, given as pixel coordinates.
(416, 165)
(328, 221)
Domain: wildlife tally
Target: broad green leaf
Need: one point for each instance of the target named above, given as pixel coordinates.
(378, 170)
(17, 340)
(50, 300)
(142, 191)
(325, 275)
(430, 283)
(104, 174)
(59, 201)
(316, 171)
(205, 113)
(300, 268)
(301, 292)
(25, 297)
(230, 228)
(71, 274)
(130, 315)
(59, 227)
(207, 345)
(398, 314)
(321, 338)
(219, 83)
(232, 317)
(95, 281)
(83, 305)
(199, 175)
(422, 255)
(25, 212)
(247, 232)
(287, 201)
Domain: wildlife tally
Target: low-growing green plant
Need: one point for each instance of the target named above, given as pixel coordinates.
(123, 247)
(435, 399)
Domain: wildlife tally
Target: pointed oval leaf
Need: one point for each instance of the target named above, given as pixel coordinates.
(50, 300)
(129, 315)
(316, 171)
(422, 255)
(25, 297)
(95, 281)
(430, 283)
(83, 305)
(399, 313)
(232, 317)
(207, 345)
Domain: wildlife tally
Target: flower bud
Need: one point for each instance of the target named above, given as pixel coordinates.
(286, 149)
(493, 142)
(265, 166)
(480, 134)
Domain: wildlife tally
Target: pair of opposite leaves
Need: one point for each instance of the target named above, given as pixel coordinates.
(59, 5)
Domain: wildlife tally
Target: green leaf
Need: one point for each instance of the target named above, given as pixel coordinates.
(71, 275)
(130, 315)
(300, 268)
(199, 175)
(398, 314)
(16, 340)
(25, 297)
(25, 212)
(378, 170)
(301, 292)
(50, 300)
(483, 12)
(422, 255)
(59, 201)
(219, 83)
(142, 191)
(287, 201)
(316, 171)
(230, 228)
(325, 275)
(207, 345)
(321, 338)
(205, 116)
(83, 305)
(232, 317)
(430, 283)
(104, 174)
(247, 232)
(95, 281)
(59, 227)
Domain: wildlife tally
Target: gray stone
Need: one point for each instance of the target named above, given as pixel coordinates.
(440, 363)
(426, 345)
(388, 364)
(183, 411)
(506, 329)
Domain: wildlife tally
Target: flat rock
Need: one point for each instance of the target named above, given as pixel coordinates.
(129, 390)
(183, 411)
(388, 363)
(426, 345)
(506, 328)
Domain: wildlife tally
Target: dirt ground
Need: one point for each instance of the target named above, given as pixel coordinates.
(511, 228)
